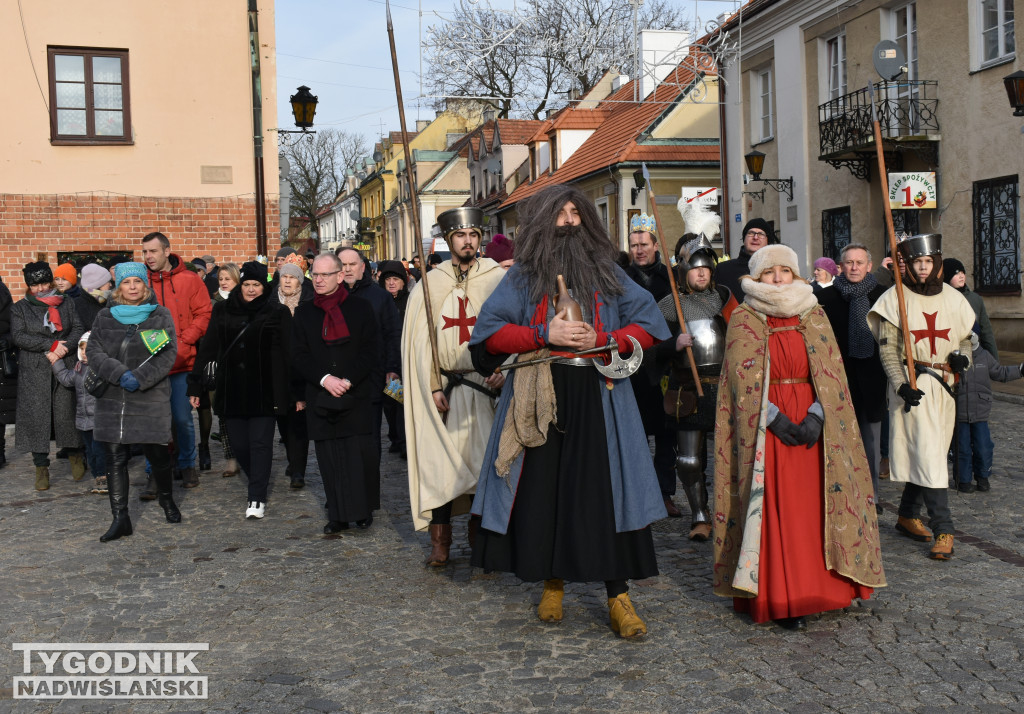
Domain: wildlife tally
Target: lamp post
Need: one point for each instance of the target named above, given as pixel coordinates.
(755, 164)
(638, 182)
(1014, 84)
(303, 109)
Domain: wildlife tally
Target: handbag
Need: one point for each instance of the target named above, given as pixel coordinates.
(209, 381)
(8, 360)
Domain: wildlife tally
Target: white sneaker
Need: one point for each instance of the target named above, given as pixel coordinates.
(255, 509)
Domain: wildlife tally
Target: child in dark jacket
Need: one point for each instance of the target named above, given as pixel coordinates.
(85, 411)
(974, 405)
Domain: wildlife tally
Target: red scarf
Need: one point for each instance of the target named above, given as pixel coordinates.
(52, 303)
(334, 322)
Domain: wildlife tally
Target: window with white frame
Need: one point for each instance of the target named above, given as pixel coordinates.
(904, 33)
(995, 27)
(836, 59)
(764, 104)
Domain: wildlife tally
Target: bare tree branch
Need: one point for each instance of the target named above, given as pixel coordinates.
(318, 166)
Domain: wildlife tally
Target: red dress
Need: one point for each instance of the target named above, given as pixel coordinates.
(792, 576)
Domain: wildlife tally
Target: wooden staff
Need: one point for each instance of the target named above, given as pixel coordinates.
(671, 277)
(435, 361)
(883, 181)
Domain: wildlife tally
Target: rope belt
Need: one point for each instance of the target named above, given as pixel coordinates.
(791, 380)
(705, 379)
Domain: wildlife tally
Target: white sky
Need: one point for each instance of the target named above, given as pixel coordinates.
(339, 48)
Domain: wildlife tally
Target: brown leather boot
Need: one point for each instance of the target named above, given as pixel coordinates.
(77, 461)
(441, 542)
(913, 528)
(550, 607)
(625, 622)
(943, 548)
(700, 532)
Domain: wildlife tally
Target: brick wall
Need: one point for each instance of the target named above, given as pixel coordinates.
(33, 224)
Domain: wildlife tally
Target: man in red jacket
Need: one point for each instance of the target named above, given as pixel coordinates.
(183, 293)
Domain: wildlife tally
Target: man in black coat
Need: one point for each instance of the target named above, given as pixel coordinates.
(757, 233)
(336, 350)
(846, 303)
(357, 281)
(647, 271)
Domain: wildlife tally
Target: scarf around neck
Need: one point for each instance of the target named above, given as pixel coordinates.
(290, 301)
(862, 344)
(51, 300)
(335, 328)
(132, 314)
(779, 300)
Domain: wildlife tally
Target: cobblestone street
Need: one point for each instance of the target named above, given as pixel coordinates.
(301, 622)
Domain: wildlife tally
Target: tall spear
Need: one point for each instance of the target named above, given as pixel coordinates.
(671, 277)
(435, 361)
(883, 182)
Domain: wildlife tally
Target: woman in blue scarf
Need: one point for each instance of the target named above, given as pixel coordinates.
(132, 349)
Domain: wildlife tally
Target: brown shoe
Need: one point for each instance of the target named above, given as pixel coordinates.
(189, 477)
(77, 461)
(441, 542)
(913, 528)
(550, 607)
(625, 622)
(943, 548)
(883, 468)
(42, 478)
(700, 532)
(673, 510)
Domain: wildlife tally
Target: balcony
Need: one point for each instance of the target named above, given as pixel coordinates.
(906, 117)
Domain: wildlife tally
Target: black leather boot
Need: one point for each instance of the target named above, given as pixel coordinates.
(117, 484)
(164, 485)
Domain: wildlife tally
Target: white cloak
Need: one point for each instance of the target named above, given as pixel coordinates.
(919, 439)
(445, 456)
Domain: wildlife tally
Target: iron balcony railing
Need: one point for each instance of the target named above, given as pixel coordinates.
(906, 110)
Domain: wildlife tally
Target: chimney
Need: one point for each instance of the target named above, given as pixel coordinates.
(619, 82)
(661, 51)
(489, 115)
(422, 124)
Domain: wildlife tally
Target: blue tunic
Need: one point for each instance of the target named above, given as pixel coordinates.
(635, 491)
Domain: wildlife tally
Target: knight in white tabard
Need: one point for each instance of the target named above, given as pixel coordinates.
(448, 422)
(922, 420)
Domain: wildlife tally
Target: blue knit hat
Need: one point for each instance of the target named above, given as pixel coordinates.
(130, 270)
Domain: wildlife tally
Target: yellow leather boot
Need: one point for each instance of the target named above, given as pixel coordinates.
(625, 622)
(550, 607)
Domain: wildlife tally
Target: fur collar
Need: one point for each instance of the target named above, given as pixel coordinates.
(779, 300)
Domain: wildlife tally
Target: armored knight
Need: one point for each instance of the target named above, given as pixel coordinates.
(706, 308)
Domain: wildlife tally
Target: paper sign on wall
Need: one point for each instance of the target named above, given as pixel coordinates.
(706, 196)
(912, 191)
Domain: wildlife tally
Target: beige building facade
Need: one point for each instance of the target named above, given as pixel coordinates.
(135, 117)
(798, 92)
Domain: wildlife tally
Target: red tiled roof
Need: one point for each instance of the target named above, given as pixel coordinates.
(395, 137)
(614, 139)
(517, 131)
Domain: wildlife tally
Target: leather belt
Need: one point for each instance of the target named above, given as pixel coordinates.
(791, 380)
(705, 379)
(935, 365)
(569, 359)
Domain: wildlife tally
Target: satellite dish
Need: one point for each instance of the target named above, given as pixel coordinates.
(890, 62)
(354, 215)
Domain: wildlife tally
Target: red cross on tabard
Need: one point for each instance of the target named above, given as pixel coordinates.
(462, 322)
(931, 333)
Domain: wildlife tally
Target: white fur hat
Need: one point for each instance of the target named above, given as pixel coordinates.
(772, 255)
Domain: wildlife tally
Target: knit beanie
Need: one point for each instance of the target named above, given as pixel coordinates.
(950, 267)
(500, 248)
(37, 273)
(68, 272)
(284, 252)
(130, 270)
(760, 224)
(772, 255)
(290, 269)
(828, 265)
(94, 277)
(252, 271)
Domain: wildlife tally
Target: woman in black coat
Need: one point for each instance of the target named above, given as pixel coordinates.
(337, 349)
(8, 383)
(132, 348)
(45, 327)
(395, 279)
(248, 339)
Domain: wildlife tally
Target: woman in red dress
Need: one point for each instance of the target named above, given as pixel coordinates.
(794, 534)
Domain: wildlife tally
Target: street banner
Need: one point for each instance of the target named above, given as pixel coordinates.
(912, 191)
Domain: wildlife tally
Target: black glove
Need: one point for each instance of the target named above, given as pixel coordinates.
(787, 431)
(912, 397)
(810, 429)
(958, 362)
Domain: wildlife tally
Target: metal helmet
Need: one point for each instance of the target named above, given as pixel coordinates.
(459, 218)
(697, 253)
(920, 245)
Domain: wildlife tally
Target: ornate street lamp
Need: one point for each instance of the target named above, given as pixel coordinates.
(755, 164)
(638, 182)
(1014, 84)
(303, 109)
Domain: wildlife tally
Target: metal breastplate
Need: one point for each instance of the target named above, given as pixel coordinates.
(708, 342)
